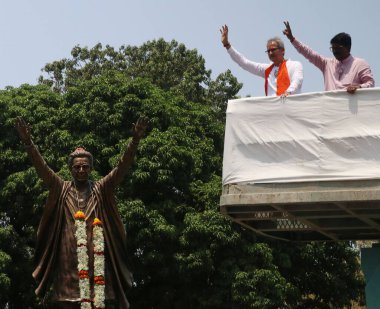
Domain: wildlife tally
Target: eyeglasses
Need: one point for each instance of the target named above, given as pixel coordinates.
(336, 47)
(272, 50)
(77, 168)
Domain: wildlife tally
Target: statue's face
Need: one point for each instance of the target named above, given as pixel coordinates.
(81, 169)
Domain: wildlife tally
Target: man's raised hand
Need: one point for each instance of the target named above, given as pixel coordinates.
(288, 31)
(224, 33)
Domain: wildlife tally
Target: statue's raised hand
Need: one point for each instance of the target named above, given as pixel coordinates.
(24, 130)
(140, 127)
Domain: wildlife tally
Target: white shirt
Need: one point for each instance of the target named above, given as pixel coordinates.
(294, 68)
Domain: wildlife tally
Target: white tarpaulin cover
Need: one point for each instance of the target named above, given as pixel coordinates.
(307, 137)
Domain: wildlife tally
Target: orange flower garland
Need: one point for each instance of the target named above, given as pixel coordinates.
(79, 215)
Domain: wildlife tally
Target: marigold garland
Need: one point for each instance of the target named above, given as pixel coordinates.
(80, 215)
(84, 280)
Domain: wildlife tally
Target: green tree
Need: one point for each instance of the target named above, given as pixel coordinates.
(21, 194)
(168, 65)
(328, 273)
(5, 261)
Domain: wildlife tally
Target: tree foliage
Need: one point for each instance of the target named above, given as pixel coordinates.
(182, 251)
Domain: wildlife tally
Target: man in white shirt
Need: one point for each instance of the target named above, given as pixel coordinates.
(282, 77)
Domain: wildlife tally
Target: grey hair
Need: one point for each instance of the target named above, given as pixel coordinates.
(280, 43)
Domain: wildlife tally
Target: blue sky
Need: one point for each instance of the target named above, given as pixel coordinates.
(37, 32)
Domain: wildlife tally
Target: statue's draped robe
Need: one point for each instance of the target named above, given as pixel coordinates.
(49, 235)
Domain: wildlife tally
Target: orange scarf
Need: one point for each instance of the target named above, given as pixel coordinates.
(283, 81)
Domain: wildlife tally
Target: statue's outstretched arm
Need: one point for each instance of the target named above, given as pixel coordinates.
(43, 170)
(118, 173)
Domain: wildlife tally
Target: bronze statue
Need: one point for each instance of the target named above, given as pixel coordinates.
(81, 240)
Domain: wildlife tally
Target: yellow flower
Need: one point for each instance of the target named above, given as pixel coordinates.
(97, 222)
(79, 215)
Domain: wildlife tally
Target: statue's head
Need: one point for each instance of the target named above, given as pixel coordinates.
(80, 163)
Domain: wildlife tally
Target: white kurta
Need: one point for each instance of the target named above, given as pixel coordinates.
(294, 68)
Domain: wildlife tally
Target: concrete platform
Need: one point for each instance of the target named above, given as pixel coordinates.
(307, 211)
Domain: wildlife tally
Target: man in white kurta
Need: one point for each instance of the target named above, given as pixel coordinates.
(282, 77)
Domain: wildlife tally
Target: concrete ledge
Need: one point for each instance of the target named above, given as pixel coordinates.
(341, 210)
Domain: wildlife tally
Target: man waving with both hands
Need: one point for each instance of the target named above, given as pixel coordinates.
(282, 77)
